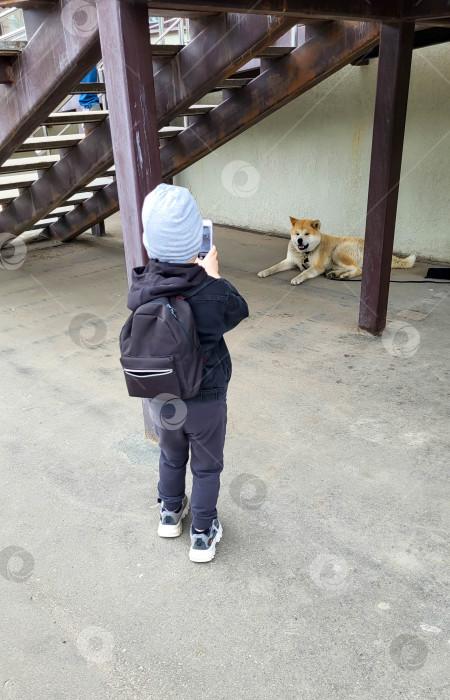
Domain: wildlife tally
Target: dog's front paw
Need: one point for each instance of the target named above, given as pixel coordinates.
(297, 280)
(263, 273)
(331, 275)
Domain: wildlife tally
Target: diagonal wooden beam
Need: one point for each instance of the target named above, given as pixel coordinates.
(127, 55)
(57, 56)
(328, 48)
(245, 37)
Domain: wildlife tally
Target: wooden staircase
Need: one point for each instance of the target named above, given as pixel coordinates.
(72, 187)
(61, 185)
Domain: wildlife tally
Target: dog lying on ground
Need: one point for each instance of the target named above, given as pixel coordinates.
(315, 253)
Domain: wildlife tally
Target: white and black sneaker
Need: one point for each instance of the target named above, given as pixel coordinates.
(171, 522)
(203, 544)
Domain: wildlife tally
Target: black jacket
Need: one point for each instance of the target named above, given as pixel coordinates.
(217, 308)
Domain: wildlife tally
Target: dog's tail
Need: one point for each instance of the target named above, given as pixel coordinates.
(403, 263)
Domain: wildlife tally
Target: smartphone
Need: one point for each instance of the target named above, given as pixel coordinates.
(207, 240)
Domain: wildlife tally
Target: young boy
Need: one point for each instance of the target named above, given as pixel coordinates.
(173, 230)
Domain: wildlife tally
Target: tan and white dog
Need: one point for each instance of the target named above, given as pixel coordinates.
(315, 253)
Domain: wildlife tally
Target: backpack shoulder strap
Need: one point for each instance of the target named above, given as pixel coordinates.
(198, 289)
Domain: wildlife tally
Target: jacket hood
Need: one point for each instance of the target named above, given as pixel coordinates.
(159, 279)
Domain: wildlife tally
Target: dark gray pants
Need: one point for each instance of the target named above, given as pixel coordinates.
(203, 429)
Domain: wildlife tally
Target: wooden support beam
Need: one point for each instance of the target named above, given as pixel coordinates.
(328, 9)
(386, 10)
(127, 54)
(394, 67)
(53, 60)
(329, 47)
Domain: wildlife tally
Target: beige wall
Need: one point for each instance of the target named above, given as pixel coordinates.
(311, 159)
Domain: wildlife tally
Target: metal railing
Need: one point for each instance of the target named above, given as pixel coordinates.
(162, 28)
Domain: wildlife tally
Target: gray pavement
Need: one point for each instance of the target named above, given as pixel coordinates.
(330, 580)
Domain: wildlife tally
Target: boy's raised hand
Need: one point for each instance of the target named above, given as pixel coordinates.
(210, 263)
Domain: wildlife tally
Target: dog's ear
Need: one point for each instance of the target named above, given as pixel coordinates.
(293, 221)
(316, 224)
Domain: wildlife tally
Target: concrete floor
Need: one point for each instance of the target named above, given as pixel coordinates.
(330, 579)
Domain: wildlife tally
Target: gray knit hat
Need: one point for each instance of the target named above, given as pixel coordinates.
(173, 226)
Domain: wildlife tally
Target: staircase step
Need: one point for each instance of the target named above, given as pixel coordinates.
(79, 197)
(87, 88)
(268, 52)
(18, 165)
(98, 184)
(166, 49)
(50, 142)
(75, 117)
(275, 51)
(168, 132)
(14, 48)
(43, 223)
(97, 88)
(7, 183)
(233, 83)
(7, 196)
(197, 109)
(11, 48)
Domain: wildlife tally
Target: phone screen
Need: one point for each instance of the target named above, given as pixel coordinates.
(206, 240)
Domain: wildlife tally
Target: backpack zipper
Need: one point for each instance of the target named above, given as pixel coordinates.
(172, 311)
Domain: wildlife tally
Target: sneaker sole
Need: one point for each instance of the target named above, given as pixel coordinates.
(174, 530)
(200, 556)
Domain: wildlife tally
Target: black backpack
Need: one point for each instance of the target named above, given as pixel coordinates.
(160, 349)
